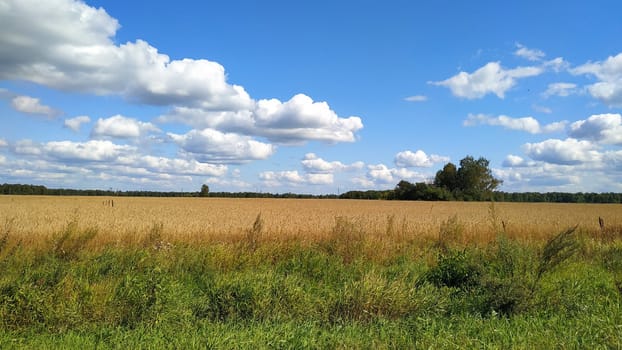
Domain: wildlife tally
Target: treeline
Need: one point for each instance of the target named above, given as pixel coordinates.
(21, 189)
(427, 192)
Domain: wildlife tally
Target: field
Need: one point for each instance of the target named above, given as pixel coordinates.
(115, 272)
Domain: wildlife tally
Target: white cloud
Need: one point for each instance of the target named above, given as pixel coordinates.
(416, 98)
(609, 73)
(564, 152)
(122, 127)
(313, 164)
(363, 182)
(68, 45)
(557, 64)
(178, 166)
(301, 118)
(27, 148)
(320, 179)
(211, 145)
(542, 109)
(513, 161)
(380, 173)
(605, 128)
(528, 124)
(75, 123)
(102, 162)
(529, 54)
(295, 121)
(491, 78)
(276, 177)
(93, 150)
(3, 143)
(419, 158)
(383, 175)
(560, 89)
(31, 105)
(294, 178)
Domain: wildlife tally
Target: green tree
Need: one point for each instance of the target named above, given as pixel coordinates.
(204, 191)
(447, 178)
(475, 179)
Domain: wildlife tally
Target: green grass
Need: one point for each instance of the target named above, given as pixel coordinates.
(564, 294)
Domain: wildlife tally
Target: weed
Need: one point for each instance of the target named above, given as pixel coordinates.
(71, 241)
(253, 235)
(557, 250)
(454, 269)
(449, 233)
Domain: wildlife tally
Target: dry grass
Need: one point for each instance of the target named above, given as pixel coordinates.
(385, 224)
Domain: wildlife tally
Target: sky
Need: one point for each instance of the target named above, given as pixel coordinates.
(309, 96)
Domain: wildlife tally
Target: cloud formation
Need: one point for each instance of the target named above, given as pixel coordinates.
(564, 152)
(68, 45)
(603, 128)
(76, 122)
(316, 165)
(209, 145)
(489, 79)
(408, 159)
(122, 127)
(293, 178)
(529, 54)
(31, 105)
(528, 124)
(609, 73)
(560, 89)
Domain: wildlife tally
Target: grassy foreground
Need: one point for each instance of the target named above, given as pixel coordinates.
(336, 293)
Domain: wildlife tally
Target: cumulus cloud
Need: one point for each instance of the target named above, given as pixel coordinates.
(489, 79)
(320, 179)
(31, 105)
(76, 122)
(301, 118)
(514, 161)
(560, 89)
(297, 120)
(383, 175)
(294, 178)
(419, 158)
(528, 124)
(177, 166)
(316, 165)
(211, 145)
(565, 152)
(529, 54)
(119, 126)
(3, 143)
(416, 98)
(609, 73)
(605, 128)
(68, 45)
(101, 162)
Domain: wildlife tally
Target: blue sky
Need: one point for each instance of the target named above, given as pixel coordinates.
(309, 97)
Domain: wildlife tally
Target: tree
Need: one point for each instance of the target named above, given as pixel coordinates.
(475, 179)
(447, 178)
(204, 191)
(404, 191)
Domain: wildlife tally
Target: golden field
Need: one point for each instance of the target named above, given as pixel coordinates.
(206, 220)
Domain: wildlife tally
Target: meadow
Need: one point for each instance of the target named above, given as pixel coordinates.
(109, 272)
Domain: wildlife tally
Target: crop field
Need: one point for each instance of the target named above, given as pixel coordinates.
(197, 220)
(119, 272)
